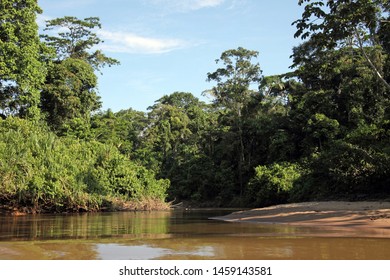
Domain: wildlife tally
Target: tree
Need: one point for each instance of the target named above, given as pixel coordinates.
(343, 63)
(121, 129)
(352, 23)
(21, 72)
(76, 40)
(177, 144)
(69, 94)
(234, 79)
(234, 91)
(167, 130)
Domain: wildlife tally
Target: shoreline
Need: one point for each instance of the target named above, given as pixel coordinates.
(361, 219)
(117, 206)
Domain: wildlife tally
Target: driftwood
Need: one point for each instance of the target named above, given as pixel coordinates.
(177, 205)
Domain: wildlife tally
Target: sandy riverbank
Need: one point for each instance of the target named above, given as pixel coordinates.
(366, 217)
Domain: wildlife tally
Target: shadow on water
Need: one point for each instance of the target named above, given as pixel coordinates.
(175, 234)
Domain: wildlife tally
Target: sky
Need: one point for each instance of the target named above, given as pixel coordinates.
(170, 45)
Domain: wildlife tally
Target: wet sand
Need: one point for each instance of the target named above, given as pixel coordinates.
(363, 218)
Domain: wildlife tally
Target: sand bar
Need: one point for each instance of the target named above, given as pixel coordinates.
(360, 218)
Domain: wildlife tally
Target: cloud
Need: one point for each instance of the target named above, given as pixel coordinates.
(41, 20)
(186, 5)
(124, 42)
(199, 4)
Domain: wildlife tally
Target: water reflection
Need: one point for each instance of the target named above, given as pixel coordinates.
(83, 226)
(174, 235)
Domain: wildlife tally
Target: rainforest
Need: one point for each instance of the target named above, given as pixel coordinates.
(318, 132)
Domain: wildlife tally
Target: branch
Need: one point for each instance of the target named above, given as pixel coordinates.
(360, 41)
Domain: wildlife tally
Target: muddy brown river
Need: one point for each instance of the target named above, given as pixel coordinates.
(178, 235)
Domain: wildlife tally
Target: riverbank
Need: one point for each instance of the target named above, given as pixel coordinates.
(116, 205)
(368, 218)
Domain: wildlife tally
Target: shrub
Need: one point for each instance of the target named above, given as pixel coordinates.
(272, 184)
(350, 170)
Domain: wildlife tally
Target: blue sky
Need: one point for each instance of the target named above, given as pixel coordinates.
(170, 45)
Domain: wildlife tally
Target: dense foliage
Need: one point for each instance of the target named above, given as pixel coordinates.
(44, 172)
(320, 131)
(21, 70)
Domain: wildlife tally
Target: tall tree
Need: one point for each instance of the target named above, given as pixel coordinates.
(21, 72)
(69, 95)
(234, 90)
(75, 38)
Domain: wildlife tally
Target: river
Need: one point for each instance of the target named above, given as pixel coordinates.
(176, 234)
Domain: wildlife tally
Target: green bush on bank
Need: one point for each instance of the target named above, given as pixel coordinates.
(350, 171)
(43, 172)
(272, 184)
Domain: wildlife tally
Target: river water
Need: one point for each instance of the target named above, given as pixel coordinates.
(178, 234)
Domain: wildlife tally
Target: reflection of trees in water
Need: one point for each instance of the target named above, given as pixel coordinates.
(83, 226)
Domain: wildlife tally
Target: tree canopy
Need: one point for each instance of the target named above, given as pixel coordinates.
(21, 70)
(75, 38)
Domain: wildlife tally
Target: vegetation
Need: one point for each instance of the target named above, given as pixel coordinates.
(21, 69)
(43, 172)
(320, 131)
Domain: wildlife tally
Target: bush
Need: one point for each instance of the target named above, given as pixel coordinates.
(272, 184)
(350, 170)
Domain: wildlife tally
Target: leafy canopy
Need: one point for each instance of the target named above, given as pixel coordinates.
(75, 38)
(21, 71)
(345, 23)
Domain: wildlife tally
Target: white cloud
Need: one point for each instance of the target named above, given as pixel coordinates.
(41, 20)
(186, 5)
(124, 42)
(199, 4)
